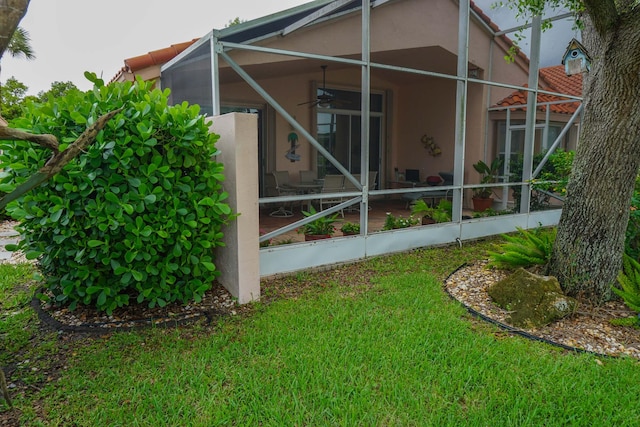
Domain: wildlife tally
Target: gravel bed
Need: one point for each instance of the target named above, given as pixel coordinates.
(588, 329)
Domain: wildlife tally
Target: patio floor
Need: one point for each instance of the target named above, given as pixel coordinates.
(377, 215)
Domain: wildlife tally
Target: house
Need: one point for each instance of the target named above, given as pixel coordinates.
(404, 34)
(553, 113)
(402, 87)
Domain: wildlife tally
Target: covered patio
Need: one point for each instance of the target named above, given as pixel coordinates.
(342, 87)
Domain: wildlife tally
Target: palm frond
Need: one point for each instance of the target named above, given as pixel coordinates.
(526, 249)
(20, 44)
(629, 280)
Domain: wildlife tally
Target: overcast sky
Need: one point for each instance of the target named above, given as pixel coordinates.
(73, 36)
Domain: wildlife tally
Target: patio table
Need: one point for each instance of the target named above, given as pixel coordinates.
(307, 188)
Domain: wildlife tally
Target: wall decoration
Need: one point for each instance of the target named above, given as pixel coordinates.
(291, 152)
(430, 145)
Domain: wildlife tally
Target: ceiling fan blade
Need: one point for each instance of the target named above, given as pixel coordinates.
(324, 98)
(309, 102)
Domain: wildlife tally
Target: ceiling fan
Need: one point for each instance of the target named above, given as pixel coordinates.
(325, 98)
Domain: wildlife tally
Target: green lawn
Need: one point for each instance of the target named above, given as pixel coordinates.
(394, 351)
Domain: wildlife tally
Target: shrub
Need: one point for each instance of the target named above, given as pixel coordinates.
(557, 170)
(632, 236)
(629, 280)
(392, 222)
(527, 249)
(350, 228)
(137, 215)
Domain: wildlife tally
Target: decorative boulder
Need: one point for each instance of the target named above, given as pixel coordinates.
(532, 300)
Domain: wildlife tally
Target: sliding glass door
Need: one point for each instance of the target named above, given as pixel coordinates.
(339, 132)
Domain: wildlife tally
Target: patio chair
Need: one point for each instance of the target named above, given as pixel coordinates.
(332, 184)
(282, 187)
(373, 175)
(308, 176)
(350, 187)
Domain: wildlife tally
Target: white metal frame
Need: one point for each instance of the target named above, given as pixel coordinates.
(289, 258)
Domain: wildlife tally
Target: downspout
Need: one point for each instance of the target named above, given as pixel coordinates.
(461, 109)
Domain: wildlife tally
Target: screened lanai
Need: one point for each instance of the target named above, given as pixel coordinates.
(342, 89)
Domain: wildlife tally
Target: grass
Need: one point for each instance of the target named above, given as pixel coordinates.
(391, 351)
(17, 324)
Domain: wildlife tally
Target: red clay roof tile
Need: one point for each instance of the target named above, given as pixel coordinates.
(557, 81)
(156, 57)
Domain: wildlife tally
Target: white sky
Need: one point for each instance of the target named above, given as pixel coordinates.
(73, 36)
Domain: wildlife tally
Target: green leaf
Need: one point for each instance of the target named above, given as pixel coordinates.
(134, 182)
(94, 243)
(111, 197)
(150, 198)
(130, 256)
(177, 250)
(93, 289)
(209, 265)
(102, 298)
(207, 201)
(137, 275)
(32, 255)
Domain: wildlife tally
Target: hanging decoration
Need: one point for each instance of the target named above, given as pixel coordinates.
(576, 59)
(430, 145)
(291, 152)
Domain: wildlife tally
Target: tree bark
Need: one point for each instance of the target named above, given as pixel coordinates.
(11, 13)
(588, 251)
(46, 140)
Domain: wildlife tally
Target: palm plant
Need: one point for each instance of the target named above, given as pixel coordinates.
(629, 280)
(527, 249)
(19, 45)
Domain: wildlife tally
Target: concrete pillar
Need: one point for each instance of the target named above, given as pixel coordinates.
(239, 260)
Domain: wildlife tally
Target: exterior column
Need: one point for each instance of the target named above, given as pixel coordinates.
(239, 260)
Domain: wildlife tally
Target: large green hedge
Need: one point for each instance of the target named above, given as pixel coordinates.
(135, 217)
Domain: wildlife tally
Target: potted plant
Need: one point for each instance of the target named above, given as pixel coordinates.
(481, 197)
(350, 228)
(432, 215)
(321, 228)
(393, 222)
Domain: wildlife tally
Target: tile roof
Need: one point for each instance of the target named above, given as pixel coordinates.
(155, 57)
(553, 79)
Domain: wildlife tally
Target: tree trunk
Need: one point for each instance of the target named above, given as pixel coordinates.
(11, 13)
(588, 251)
